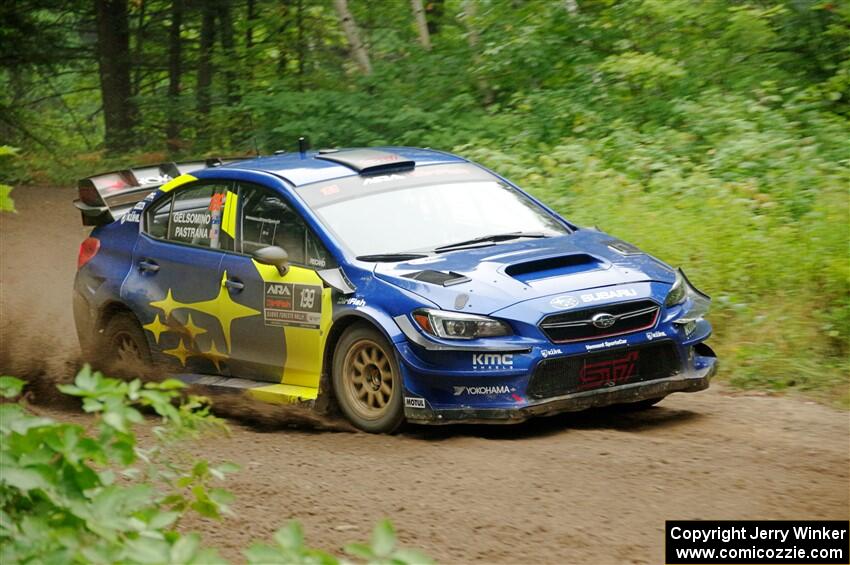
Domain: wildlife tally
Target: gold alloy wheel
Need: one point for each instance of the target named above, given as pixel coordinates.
(368, 378)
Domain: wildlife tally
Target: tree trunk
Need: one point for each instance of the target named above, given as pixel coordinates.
(113, 50)
(138, 48)
(205, 66)
(434, 14)
(249, 26)
(302, 46)
(225, 21)
(470, 11)
(421, 23)
(175, 60)
(352, 33)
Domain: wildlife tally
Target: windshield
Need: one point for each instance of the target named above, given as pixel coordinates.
(424, 217)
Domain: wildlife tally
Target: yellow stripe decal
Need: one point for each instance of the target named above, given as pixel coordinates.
(283, 394)
(174, 183)
(228, 223)
(304, 346)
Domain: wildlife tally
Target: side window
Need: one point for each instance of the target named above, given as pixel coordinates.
(192, 215)
(157, 220)
(267, 219)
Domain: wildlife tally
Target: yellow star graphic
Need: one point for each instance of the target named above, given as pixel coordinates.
(168, 304)
(180, 352)
(225, 309)
(222, 307)
(156, 328)
(214, 355)
(193, 330)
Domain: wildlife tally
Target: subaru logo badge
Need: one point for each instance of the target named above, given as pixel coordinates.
(603, 320)
(564, 302)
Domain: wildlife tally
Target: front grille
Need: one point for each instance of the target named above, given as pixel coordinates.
(577, 326)
(566, 375)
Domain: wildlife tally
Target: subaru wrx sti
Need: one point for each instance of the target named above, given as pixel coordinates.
(401, 283)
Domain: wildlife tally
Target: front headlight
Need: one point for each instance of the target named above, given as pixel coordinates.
(678, 293)
(456, 325)
(696, 303)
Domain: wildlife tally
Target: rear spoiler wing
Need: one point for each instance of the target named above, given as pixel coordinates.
(108, 196)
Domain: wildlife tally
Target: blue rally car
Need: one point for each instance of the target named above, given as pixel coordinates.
(405, 284)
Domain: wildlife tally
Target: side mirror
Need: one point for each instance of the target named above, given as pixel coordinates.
(275, 256)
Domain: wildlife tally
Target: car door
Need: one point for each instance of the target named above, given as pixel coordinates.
(175, 284)
(284, 344)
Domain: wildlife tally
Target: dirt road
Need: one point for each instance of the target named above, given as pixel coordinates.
(592, 487)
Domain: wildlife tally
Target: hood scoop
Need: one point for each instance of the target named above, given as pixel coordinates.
(553, 267)
(438, 277)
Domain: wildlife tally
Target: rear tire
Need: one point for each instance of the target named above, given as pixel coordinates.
(367, 380)
(123, 346)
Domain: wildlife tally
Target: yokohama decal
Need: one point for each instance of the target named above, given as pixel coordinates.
(608, 373)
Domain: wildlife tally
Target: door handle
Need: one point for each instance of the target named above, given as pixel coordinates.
(147, 265)
(234, 284)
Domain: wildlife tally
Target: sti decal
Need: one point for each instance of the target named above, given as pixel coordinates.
(290, 304)
(608, 373)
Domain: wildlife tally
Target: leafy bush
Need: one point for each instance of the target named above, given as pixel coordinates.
(75, 494)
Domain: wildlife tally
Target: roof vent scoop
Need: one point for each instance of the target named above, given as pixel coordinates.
(369, 161)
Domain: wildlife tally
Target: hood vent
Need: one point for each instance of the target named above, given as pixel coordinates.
(622, 247)
(553, 267)
(437, 277)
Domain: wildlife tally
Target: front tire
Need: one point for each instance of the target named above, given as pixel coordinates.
(367, 380)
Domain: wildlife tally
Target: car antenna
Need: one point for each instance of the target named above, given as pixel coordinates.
(303, 146)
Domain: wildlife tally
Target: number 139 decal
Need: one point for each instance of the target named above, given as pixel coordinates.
(308, 297)
(290, 304)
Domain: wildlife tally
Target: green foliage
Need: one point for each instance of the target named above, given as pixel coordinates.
(72, 495)
(6, 202)
(714, 133)
(75, 494)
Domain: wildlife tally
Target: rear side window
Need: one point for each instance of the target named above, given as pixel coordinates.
(157, 223)
(192, 216)
(267, 219)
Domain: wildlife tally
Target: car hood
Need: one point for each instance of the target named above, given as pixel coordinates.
(486, 279)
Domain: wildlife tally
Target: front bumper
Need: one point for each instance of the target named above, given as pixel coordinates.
(623, 394)
(440, 387)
